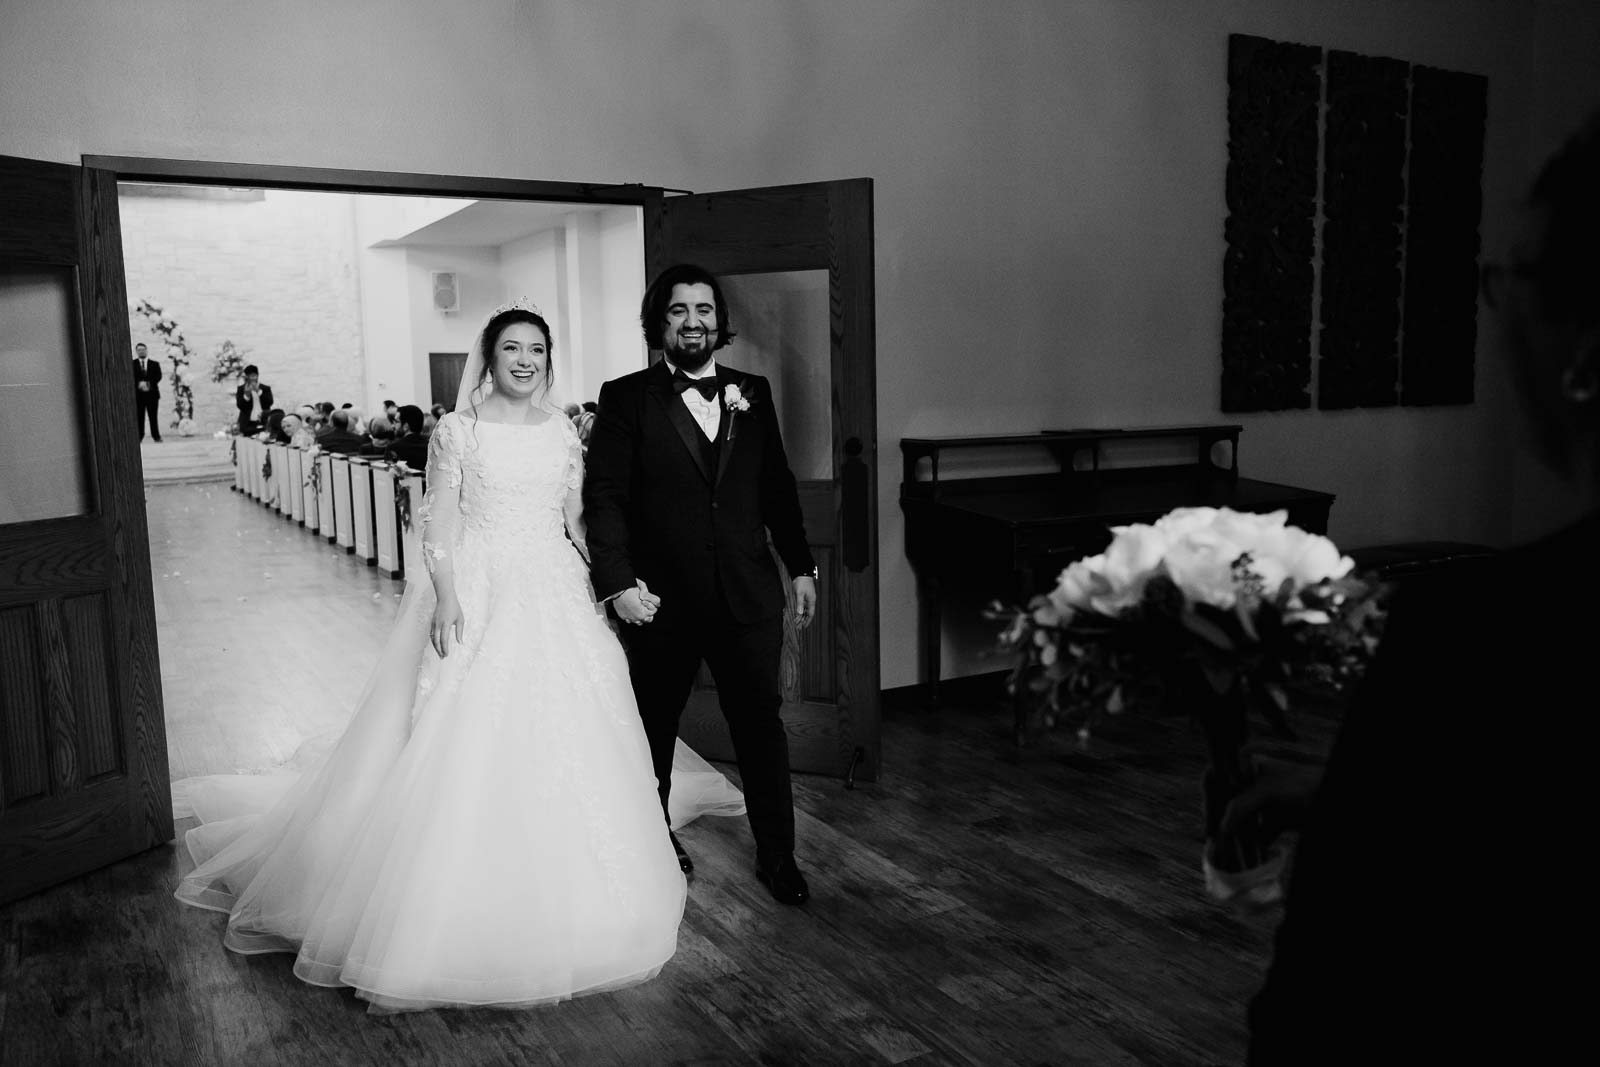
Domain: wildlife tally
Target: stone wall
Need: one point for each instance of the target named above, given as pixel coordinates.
(273, 271)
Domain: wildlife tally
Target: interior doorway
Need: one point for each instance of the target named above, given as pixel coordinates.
(444, 376)
(342, 291)
(61, 222)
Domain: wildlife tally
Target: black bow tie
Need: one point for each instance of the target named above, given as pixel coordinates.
(707, 385)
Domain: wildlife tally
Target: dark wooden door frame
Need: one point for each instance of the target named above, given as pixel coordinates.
(322, 179)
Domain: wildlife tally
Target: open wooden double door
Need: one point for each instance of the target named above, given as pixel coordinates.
(83, 761)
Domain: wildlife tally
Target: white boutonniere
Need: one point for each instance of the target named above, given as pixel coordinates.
(736, 402)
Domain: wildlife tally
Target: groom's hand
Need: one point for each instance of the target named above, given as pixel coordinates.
(638, 605)
(805, 600)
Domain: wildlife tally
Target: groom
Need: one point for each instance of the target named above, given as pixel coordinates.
(686, 477)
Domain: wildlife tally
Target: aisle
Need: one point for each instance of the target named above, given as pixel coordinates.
(266, 630)
(178, 460)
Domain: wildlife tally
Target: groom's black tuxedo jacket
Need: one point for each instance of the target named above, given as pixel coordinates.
(691, 519)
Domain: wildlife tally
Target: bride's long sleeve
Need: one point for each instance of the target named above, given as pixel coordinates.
(441, 506)
(576, 530)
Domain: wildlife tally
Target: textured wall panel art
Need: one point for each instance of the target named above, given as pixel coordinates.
(1371, 192)
(1363, 204)
(1274, 91)
(1448, 111)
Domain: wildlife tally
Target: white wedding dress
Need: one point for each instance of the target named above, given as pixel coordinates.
(486, 831)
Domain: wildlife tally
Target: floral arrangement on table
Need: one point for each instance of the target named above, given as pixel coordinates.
(1218, 614)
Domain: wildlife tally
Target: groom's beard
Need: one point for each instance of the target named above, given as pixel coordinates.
(692, 360)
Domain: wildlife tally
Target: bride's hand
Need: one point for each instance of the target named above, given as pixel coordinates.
(447, 620)
(638, 605)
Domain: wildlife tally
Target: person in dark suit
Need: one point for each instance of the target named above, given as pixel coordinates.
(147, 390)
(342, 438)
(1437, 901)
(253, 400)
(686, 477)
(410, 445)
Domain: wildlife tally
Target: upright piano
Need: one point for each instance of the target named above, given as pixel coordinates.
(1007, 537)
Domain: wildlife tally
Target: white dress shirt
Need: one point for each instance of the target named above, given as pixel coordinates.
(708, 413)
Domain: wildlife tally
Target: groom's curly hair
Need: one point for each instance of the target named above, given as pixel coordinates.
(653, 308)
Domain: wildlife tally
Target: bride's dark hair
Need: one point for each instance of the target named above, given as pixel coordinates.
(489, 339)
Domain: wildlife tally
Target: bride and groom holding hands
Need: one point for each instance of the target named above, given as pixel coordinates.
(488, 828)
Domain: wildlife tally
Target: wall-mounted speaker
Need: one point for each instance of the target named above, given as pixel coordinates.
(446, 290)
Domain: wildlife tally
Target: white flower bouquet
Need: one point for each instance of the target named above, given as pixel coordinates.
(1207, 612)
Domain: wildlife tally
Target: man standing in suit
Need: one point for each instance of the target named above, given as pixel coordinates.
(253, 400)
(686, 478)
(147, 391)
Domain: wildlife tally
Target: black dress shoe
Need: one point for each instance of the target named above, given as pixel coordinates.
(782, 879)
(685, 864)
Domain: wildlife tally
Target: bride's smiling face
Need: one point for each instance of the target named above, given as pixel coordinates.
(521, 361)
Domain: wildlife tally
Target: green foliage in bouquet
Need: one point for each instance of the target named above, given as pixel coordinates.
(1190, 597)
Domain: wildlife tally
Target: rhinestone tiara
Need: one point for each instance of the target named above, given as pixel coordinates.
(521, 304)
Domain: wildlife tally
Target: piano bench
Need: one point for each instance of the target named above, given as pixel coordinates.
(1407, 559)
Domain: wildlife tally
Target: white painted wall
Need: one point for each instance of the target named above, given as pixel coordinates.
(391, 365)
(277, 276)
(1049, 178)
(482, 289)
(616, 346)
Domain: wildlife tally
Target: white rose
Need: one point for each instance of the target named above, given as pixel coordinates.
(1134, 554)
(1201, 566)
(1311, 558)
(1076, 583)
(1180, 521)
(1247, 530)
(1063, 607)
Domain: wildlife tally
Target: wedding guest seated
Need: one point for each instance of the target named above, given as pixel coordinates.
(411, 446)
(358, 420)
(428, 423)
(391, 411)
(342, 438)
(273, 427)
(380, 435)
(325, 409)
(1437, 901)
(299, 433)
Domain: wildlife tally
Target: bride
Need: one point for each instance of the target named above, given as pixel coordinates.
(487, 830)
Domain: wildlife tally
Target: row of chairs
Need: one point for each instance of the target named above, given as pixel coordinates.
(363, 505)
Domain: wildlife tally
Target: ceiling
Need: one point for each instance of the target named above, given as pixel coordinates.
(490, 223)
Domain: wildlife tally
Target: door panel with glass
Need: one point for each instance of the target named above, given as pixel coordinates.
(795, 264)
(83, 762)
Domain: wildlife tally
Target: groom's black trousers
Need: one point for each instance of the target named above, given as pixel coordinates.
(665, 655)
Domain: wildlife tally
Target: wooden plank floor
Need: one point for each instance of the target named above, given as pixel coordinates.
(979, 905)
